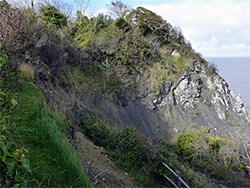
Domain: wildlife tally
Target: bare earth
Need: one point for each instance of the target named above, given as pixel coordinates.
(99, 168)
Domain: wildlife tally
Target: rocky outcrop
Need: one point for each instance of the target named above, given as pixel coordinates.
(162, 107)
(158, 104)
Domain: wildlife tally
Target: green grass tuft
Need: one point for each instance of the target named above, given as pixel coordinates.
(54, 162)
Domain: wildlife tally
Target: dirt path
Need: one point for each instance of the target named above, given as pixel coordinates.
(102, 171)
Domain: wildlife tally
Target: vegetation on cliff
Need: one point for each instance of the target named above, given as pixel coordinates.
(50, 53)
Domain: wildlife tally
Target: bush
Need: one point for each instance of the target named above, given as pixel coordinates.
(132, 153)
(15, 167)
(216, 156)
(18, 28)
(52, 18)
(121, 23)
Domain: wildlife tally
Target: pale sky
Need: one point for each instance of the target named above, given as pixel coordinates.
(214, 27)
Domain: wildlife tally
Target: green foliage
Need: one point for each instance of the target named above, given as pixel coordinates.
(55, 162)
(208, 153)
(52, 18)
(14, 165)
(115, 41)
(121, 23)
(132, 153)
(126, 147)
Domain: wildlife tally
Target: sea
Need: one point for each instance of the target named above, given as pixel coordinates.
(236, 72)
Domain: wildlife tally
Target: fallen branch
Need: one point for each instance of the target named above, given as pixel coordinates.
(176, 175)
(98, 175)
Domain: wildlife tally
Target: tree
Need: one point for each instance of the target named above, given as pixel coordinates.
(146, 20)
(60, 5)
(52, 17)
(81, 5)
(119, 9)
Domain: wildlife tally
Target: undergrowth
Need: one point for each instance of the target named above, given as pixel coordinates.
(133, 154)
(222, 159)
(53, 161)
(14, 166)
(34, 150)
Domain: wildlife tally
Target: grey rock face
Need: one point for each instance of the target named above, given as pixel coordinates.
(161, 108)
(160, 105)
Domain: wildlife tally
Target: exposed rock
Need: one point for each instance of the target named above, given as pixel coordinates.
(176, 54)
(159, 108)
(158, 105)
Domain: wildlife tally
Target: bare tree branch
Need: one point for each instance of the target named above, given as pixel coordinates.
(82, 5)
(119, 9)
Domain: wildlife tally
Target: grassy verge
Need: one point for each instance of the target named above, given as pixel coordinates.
(54, 162)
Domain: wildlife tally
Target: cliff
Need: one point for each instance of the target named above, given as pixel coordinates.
(159, 106)
(107, 76)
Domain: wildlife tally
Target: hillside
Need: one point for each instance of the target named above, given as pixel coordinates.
(103, 102)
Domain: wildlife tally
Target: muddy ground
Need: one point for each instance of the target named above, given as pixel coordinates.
(99, 168)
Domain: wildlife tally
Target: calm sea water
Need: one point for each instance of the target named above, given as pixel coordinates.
(236, 72)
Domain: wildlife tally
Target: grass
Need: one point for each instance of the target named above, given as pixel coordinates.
(27, 72)
(54, 162)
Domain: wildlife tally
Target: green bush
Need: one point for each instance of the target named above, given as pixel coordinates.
(52, 18)
(208, 153)
(121, 23)
(15, 167)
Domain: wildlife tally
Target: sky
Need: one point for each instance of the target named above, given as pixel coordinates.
(214, 27)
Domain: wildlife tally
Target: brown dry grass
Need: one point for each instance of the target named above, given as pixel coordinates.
(27, 71)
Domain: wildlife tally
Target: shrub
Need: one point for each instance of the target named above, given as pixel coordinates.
(52, 18)
(216, 156)
(19, 28)
(14, 165)
(121, 23)
(132, 153)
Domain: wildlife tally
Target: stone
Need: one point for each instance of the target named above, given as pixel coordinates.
(248, 169)
(176, 54)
